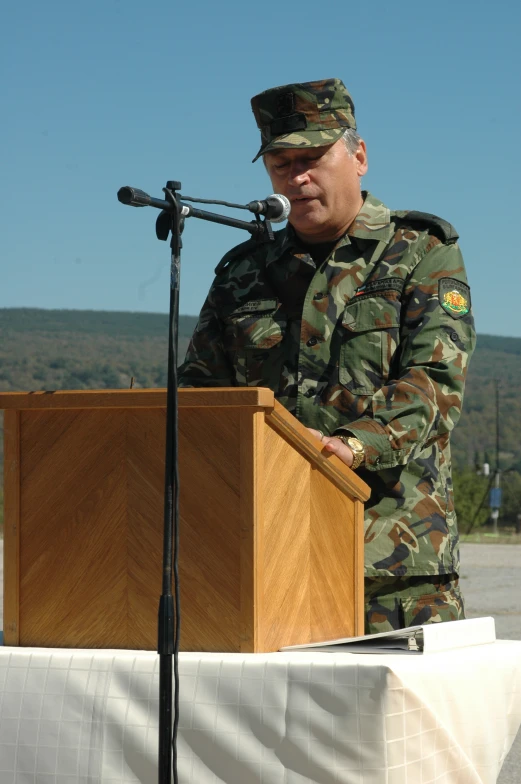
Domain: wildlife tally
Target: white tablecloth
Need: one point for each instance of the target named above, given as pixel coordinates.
(84, 716)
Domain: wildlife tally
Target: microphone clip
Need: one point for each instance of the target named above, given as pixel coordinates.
(265, 231)
(174, 211)
(165, 222)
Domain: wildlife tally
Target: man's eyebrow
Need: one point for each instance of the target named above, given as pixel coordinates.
(302, 153)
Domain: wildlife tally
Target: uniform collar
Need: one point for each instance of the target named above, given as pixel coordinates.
(285, 241)
(373, 222)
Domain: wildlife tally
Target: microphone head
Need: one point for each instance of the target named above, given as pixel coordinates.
(133, 196)
(280, 207)
(125, 195)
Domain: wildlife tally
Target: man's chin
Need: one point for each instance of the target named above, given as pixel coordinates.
(306, 206)
(306, 224)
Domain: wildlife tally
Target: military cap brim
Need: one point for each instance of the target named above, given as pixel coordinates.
(303, 139)
(304, 114)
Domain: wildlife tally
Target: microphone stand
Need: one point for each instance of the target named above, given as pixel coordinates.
(171, 220)
(168, 631)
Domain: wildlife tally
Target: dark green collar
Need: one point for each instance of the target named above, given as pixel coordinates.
(373, 223)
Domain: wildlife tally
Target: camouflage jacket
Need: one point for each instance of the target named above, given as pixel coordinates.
(374, 340)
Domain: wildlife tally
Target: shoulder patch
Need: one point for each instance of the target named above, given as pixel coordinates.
(235, 253)
(454, 296)
(441, 228)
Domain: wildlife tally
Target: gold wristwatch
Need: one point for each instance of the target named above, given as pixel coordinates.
(356, 447)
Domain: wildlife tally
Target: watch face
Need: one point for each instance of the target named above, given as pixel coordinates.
(355, 444)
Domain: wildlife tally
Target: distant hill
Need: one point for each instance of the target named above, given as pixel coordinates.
(495, 358)
(72, 349)
(85, 349)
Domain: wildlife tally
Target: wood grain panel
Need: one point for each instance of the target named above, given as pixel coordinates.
(73, 543)
(333, 562)
(11, 527)
(137, 398)
(145, 464)
(358, 510)
(93, 527)
(210, 529)
(251, 528)
(286, 552)
(300, 438)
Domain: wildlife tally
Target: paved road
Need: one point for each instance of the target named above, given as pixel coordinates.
(491, 581)
(1, 583)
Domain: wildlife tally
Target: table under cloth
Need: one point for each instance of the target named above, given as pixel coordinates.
(89, 716)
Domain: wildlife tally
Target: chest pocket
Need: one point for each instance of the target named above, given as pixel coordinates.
(370, 334)
(253, 338)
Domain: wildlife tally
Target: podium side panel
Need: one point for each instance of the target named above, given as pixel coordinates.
(73, 547)
(209, 551)
(251, 527)
(334, 562)
(286, 555)
(11, 527)
(210, 545)
(145, 463)
(359, 569)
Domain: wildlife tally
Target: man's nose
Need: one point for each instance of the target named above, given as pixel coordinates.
(299, 174)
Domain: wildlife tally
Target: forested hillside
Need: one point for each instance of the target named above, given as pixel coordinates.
(74, 349)
(60, 349)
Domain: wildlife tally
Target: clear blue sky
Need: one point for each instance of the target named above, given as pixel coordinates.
(106, 93)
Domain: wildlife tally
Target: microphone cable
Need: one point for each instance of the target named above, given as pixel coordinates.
(214, 201)
(275, 208)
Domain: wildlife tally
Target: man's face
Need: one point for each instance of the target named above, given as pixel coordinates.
(323, 186)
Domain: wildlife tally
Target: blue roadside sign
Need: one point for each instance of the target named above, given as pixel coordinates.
(495, 498)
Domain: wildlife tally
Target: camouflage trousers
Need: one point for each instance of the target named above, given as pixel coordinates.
(396, 602)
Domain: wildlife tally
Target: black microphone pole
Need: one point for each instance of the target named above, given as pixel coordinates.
(168, 617)
(171, 220)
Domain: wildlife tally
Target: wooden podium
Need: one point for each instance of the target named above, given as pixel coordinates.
(271, 530)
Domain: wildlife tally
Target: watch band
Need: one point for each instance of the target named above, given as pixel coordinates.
(356, 447)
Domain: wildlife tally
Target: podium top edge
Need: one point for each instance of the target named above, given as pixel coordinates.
(327, 463)
(257, 397)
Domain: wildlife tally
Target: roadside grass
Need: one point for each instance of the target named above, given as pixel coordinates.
(487, 536)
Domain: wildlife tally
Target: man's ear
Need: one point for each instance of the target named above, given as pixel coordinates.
(362, 164)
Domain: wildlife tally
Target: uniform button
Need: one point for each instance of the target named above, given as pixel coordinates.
(319, 295)
(454, 335)
(309, 392)
(312, 341)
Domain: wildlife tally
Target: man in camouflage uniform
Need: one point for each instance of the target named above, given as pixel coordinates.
(359, 319)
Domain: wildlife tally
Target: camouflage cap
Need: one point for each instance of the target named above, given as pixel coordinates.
(309, 114)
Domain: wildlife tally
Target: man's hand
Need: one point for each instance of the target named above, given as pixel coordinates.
(335, 445)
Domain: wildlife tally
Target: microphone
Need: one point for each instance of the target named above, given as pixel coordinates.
(135, 197)
(275, 208)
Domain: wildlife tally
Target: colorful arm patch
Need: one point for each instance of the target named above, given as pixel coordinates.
(454, 297)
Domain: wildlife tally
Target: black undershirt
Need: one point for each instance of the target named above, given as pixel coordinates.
(292, 285)
(319, 251)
